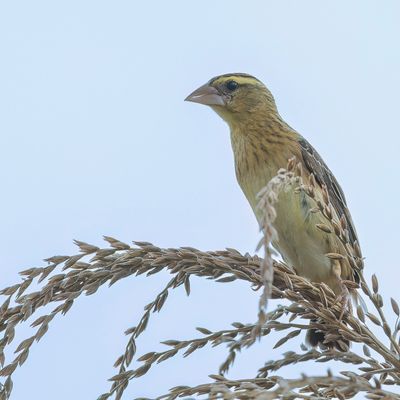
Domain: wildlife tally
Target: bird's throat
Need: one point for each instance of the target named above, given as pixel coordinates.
(259, 154)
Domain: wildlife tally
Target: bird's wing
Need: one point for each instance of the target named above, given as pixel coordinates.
(316, 165)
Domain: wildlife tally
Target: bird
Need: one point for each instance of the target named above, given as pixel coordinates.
(262, 143)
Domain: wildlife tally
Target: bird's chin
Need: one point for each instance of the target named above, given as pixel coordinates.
(224, 113)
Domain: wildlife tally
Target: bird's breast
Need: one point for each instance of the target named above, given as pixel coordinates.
(299, 242)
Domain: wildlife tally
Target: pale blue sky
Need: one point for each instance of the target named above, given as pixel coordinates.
(97, 140)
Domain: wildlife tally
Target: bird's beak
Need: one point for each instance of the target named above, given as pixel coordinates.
(206, 95)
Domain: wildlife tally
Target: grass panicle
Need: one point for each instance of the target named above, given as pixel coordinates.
(374, 367)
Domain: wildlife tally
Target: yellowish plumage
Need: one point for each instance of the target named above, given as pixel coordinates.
(300, 242)
(263, 143)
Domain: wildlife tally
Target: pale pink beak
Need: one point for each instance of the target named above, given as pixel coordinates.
(206, 95)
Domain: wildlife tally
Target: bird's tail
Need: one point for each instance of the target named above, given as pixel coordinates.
(315, 337)
(318, 338)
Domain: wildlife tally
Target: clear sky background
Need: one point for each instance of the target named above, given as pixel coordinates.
(97, 140)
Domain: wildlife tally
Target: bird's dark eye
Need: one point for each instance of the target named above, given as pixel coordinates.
(231, 85)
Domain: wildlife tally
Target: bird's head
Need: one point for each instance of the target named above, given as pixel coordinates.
(235, 97)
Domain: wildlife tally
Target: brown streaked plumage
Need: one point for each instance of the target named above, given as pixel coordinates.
(262, 143)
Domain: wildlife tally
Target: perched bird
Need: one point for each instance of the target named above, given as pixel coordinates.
(262, 143)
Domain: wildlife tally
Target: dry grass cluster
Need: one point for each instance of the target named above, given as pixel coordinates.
(374, 371)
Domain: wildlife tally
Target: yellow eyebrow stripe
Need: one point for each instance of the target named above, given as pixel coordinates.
(241, 80)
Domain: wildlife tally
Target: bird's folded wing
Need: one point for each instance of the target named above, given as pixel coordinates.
(316, 165)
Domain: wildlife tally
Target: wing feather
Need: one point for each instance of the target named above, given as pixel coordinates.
(316, 165)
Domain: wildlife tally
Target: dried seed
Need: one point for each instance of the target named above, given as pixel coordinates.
(373, 318)
(324, 228)
(375, 285)
(395, 306)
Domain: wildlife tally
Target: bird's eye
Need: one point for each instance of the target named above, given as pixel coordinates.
(231, 85)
